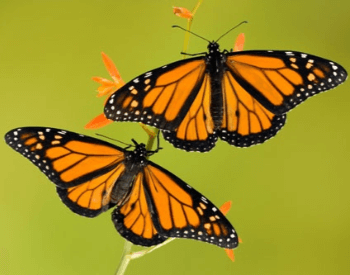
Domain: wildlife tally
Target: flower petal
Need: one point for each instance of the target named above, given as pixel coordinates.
(225, 207)
(102, 81)
(111, 68)
(105, 90)
(239, 44)
(182, 12)
(230, 254)
(98, 122)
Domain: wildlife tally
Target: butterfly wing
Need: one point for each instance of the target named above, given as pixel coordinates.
(84, 169)
(245, 121)
(196, 131)
(161, 97)
(133, 219)
(161, 205)
(280, 80)
(260, 86)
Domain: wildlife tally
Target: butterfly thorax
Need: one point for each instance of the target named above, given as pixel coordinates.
(134, 162)
(215, 61)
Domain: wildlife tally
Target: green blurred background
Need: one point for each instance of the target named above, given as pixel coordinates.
(290, 195)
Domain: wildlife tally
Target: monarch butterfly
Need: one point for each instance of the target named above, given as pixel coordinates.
(241, 97)
(92, 176)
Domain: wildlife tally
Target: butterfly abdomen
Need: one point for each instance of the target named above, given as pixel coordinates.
(122, 188)
(216, 109)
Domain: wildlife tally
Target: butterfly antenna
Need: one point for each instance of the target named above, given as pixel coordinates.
(243, 22)
(176, 26)
(135, 142)
(114, 139)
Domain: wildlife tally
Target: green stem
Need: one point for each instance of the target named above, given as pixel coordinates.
(189, 24)
(123, 264)
(151, 139)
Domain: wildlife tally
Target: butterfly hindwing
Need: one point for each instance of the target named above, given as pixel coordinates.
(93, 197)
(84, 169)
(190, 145)
(245, 121)
(160, 97)
(133, 219)
(196, 131)
(280, 80)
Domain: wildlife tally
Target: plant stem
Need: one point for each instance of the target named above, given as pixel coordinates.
(123, 264)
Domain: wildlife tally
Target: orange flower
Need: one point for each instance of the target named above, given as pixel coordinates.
(224, 209)
(182, 12)
(107, 88)
(185, 13)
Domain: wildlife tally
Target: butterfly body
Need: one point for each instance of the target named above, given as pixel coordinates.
(92, 176)
(240, 97)
(133, 164)
(215, 63)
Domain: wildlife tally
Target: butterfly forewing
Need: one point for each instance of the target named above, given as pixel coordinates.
(160, 97)
(280, 80)
(83, 168)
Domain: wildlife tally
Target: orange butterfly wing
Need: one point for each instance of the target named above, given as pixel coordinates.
(83, 168)
(133, 220)
(245, 121)
(260, 86)
(196, 132)
(161, 205)
(280, 80)
(161, 97)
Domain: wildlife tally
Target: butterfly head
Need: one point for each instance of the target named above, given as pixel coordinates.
(213, 47)
(140, 152)
(140, 149)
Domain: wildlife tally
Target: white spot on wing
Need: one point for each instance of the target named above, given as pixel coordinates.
(148, 74)
(204, 199)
